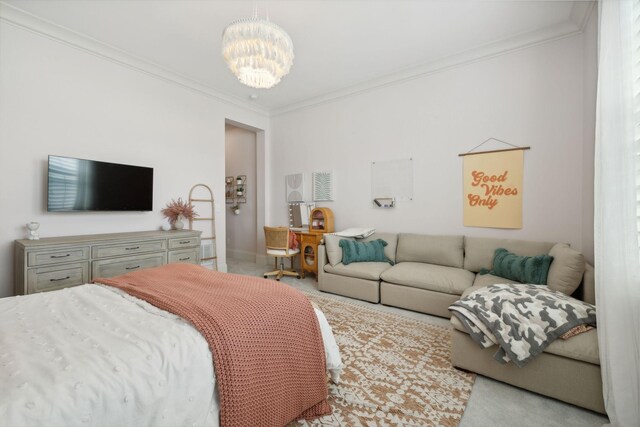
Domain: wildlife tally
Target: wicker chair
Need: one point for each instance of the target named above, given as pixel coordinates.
(277, 242)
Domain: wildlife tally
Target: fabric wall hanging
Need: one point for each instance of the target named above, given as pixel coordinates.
(492, 185)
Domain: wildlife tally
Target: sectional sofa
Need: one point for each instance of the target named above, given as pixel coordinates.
(432, 272)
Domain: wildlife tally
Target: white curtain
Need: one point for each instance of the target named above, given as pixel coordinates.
(617, 258)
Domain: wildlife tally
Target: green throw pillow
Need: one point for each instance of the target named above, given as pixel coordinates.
(524, 269)
(372, 251)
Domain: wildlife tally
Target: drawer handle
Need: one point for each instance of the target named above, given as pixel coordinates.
(184, 242)
(131, 249)
(60, 256)
(132, 268)
(184, 259)
(62, 278)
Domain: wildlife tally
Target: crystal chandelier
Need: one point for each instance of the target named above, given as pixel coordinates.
(257, 51)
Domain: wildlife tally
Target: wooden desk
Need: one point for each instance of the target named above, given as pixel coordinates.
(309, 251)
(320, 221)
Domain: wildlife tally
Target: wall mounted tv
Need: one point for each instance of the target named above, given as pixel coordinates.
(87, 185)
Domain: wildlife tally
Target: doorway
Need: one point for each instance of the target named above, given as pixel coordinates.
(241, 193)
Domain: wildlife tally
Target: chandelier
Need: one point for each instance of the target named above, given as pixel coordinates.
(257, 51)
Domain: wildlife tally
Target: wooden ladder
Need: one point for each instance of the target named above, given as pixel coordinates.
(211, 218)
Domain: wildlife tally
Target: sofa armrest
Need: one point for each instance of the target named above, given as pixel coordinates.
(322, 259)
(589, 285)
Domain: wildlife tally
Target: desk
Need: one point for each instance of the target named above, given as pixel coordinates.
(308, 250)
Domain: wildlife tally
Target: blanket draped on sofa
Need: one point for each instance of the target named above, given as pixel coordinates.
(522, 319)
(265, 339)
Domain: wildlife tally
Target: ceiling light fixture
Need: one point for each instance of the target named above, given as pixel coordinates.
(257, 51)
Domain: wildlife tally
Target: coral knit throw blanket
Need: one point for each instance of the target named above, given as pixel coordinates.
(264, 336)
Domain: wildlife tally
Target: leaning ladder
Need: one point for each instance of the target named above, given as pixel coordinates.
(211, 218)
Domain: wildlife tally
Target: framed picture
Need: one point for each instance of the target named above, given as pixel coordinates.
(294, 187)
(323, 188)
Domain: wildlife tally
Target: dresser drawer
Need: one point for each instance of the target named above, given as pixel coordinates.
(56, 256)
(105, 251)
(57, 276)
(118, 266)
(186, 242)
(189, 256)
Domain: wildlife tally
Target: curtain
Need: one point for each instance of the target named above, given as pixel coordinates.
(617, 258)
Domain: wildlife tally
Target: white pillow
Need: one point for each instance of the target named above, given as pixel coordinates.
(566, 270)
(358, 233)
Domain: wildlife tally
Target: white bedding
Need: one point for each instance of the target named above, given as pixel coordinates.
(92, 355)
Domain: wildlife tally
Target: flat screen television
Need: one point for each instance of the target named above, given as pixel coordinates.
(88, 185)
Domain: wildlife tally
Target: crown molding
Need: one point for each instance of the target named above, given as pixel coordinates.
(480, 53)
(579, 16)
(24, 20)
(581, 12)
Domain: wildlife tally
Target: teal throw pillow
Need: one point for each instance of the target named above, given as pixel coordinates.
(372, 251)
(524, 269)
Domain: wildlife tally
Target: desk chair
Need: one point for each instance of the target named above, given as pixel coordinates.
(277, 243)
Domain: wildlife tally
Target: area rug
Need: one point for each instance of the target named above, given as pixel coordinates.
(397, 370)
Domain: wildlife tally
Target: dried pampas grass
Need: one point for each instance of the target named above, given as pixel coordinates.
(175, 208)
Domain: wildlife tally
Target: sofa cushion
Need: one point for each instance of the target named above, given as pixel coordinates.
(483, 280)
(431, 277)
(333, 249)
(525, 269)
(478, 251)
(372, 251)
(567, 269)
(359, 270)
(392, 243)
(583, 347)
(440, 250)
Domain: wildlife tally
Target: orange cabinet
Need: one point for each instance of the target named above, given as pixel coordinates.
(309, 252)
(321, 221)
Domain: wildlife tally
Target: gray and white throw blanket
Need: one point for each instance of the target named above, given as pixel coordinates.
(522, 319)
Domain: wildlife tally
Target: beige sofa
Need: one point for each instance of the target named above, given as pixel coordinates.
(432, 272)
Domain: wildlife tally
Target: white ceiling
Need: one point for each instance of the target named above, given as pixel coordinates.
(338, 44)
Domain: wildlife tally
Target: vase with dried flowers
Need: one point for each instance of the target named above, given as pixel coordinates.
(177, 210)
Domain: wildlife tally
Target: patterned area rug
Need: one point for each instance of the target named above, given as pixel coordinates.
(397, 370)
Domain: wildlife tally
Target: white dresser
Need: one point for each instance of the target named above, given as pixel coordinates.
(59, 262)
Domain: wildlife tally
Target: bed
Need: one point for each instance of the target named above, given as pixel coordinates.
(95, 355)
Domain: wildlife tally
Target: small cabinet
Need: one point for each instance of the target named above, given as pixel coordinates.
(309, 252)
(321, 221)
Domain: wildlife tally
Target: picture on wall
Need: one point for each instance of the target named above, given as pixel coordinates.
(493, 189)
(294, 187)
(322, 186)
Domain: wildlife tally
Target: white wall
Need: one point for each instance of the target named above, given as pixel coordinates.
(240, 159)
(56, 99)
(532, 97)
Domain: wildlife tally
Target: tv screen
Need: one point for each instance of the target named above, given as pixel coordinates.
(87, 185)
